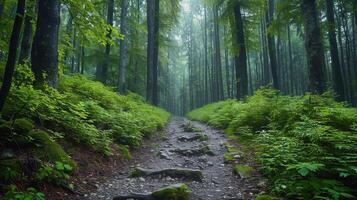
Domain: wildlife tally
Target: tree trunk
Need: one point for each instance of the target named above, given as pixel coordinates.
(336, 68)
(313, 45)
(2, 5)
(11, 59)
(122, 46)
(25, 52)
(271, 45)
(153, 49)
(241, 58)
(44, 54)
(206, 58)
(102, 73)
(217, 55)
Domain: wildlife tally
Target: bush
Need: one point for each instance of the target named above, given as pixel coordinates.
(306, 145)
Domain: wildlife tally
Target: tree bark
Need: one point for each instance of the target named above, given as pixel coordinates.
(313, 45)
(44, 55)
(25, 52)
(102, 73)
(271, 45)
(336, 68)
(217, 55)
(153, 49)
(122, 46)
(241, 58)
(11, 59)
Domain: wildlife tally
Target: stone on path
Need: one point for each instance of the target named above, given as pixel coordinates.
(172, 192)
(188, 174)
(202, 150)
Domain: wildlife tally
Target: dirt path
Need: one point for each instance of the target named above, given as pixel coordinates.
(219, 181)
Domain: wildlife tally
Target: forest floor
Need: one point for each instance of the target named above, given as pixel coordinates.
(175, 148)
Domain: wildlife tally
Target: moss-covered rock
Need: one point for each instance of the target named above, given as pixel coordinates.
(173, 192)
(265, 197)
(23, 126)
(48, 149)
(243, 171)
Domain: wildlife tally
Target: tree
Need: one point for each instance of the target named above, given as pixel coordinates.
(336, 68)
(102, 69)
(11, 59)
(25, 52)
(313, 45)
(44, 55)
(153, 8)
(241, 58)
(271, 45)
(122, 46)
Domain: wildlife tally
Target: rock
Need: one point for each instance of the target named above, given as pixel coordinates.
(189, 174)
(164, 155)
(202, 150)
(172, 192)
(7, 154)
(192, 138)
(243, 171)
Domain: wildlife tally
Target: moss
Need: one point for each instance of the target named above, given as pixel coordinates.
(173, 192)
(228, 157)
(204, 138)
(243, 171)
(23, 126)
(136, 173)
(265, 197)
(189, 127)
(50, 150)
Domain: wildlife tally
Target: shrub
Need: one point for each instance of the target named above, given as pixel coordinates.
(306, 145)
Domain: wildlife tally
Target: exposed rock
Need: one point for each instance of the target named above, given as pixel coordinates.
(202, 150)
(195, 137)
(7, 154)
(172, 192)
(189, 174)
(164, 155)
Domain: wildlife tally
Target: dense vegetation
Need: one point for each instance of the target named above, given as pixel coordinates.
(305, 145)
(37, 123)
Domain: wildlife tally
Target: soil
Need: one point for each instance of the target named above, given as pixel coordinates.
(159, 153)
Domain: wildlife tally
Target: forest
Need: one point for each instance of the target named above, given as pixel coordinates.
(178, 99)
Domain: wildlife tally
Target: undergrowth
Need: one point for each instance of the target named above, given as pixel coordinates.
(306, 145)
(34, 123)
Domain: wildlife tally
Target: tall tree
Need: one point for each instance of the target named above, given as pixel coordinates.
(313, 45)
(271, 45)
(102, 72)
(11, 58)
(336, 68)
(44, 55)
(25, 52)
(217, 56)
(241, 58)
(122, 50)
(153, 8)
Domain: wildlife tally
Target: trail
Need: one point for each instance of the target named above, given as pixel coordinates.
(219, 182)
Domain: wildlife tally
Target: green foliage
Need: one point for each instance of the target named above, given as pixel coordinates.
(29, 194)
(56, 174)
(307, 145)
(87, 112)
